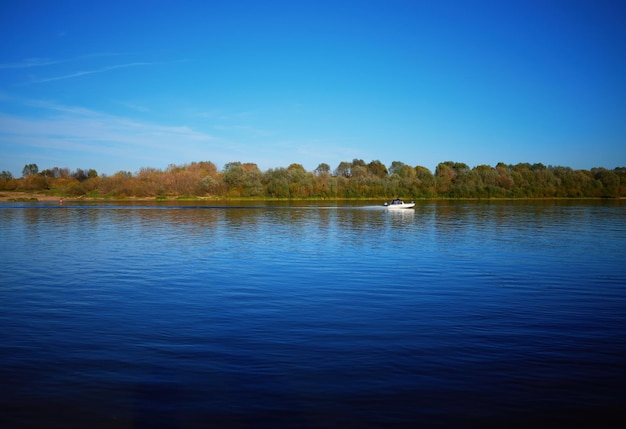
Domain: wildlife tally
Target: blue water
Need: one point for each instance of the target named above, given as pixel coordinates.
(455, 314)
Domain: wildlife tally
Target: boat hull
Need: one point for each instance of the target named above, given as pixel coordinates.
(402, 206)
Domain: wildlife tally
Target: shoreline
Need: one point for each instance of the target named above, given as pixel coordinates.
(20, 196)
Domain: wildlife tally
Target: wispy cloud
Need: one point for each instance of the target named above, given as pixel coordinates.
(43, 62)
(245, 129)
(77, 132)
(94, 71)
(29, 63)
(134, 106)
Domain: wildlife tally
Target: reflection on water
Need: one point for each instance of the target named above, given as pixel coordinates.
(453, 314)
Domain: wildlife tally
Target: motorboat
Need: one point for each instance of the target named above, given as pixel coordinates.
(398, 204)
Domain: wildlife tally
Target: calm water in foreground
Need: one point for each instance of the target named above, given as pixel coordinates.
(456, 314)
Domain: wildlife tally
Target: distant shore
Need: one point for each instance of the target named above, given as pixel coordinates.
(19, 196)
(353, 181)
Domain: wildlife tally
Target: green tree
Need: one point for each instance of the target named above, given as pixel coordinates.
(344, 169)
(56, 173)
(234, 177)
(444, 177)
(425, 185)
(609, 180)
(296, 168)
(621, 173)
(396, 167)
(253, 180)
(358, 163)
(377, 168)
(322, 169)
(505, 180)
(30, 169)
(80, 175)
(484, 179)
(277, 182)
(300, 182)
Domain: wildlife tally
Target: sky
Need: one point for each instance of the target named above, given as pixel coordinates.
(124, 85)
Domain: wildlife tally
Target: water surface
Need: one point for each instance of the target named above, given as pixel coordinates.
(455, 314)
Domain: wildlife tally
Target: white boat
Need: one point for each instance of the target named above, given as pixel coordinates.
(398, 204)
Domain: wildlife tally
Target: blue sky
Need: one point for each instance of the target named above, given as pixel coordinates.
(121, 85)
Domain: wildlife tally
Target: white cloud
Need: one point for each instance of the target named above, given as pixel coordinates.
(86, 135)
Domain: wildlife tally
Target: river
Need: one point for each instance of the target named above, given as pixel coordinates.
(313, 315)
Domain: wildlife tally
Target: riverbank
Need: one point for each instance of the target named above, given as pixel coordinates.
(34, 196)
(26, 196)
(19, 196)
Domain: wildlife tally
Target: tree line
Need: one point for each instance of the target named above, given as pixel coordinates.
(356, 179)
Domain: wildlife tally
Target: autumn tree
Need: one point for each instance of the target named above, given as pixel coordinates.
(7, 182)
(355, 179)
